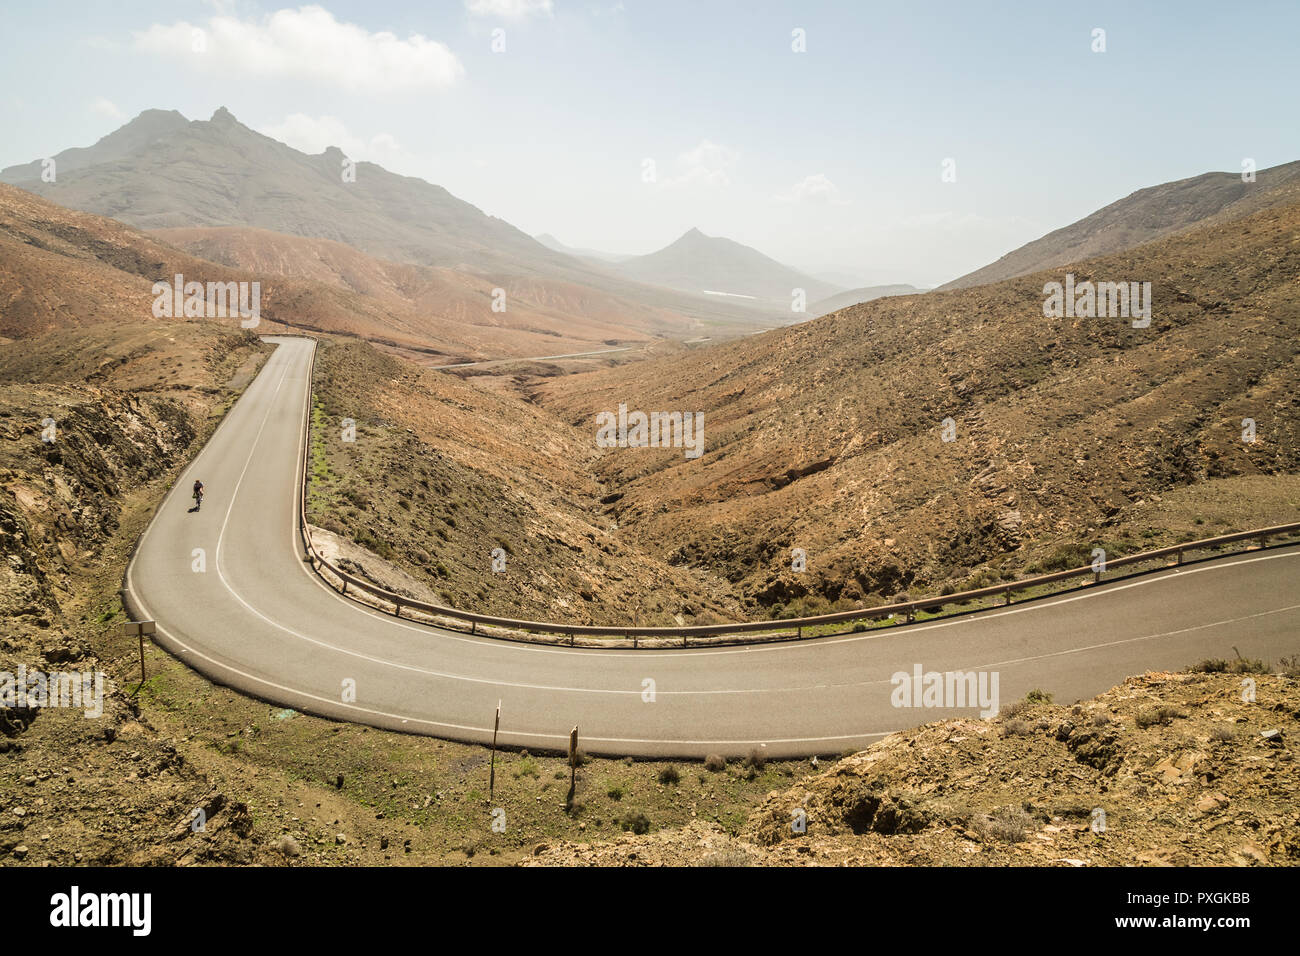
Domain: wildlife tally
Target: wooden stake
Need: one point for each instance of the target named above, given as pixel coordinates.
(492, 775)
(140, 629)
(573, 763)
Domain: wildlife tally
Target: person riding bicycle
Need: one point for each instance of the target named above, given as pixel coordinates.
(198, 494)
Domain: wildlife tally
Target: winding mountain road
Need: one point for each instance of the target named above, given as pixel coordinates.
(259, 620)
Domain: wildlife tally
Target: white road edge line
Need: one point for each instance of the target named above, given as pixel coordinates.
(302, 449)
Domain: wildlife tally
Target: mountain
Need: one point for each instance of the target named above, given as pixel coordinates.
(219, 172)
(1140, 217)
(843, 300)
(451, 309)
(550, 242)
(163, 171)
(61, 270)
(721, 267)
(1068, 433)
(147, 128)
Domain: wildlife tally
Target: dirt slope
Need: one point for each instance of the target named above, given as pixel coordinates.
(1068, 433)
(1140, 217)
(1163, 770)
(541, 316)
(60, 268)
(442, 473)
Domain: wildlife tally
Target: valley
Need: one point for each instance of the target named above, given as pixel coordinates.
(691, 433)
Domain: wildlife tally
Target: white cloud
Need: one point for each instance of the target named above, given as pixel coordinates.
(313, 134)
(814, 189)
(509, 9)
(106, 107)
(309, 44)
(708, 164)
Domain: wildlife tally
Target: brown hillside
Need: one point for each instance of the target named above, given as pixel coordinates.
(60, 268)
(442, 472)
(163, 171)
(542, 317)
(1163, 770)
(1069, 432)
(1141, 217)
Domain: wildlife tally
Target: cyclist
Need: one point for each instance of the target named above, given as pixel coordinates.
(198, 494)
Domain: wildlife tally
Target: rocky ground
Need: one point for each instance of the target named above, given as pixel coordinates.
(1066, 434)
(177, 770)
(1195, 782)
(441, 473)
(1164, 770)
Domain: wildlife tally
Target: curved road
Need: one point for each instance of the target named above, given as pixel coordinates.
(259, 620)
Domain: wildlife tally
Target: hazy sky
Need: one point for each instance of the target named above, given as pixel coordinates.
(828, 159)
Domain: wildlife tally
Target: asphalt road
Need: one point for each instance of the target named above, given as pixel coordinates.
(259, 620)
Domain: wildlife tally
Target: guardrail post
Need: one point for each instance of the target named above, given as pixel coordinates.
(884, 612)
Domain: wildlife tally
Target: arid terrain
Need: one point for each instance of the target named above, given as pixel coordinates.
(437, 315)
(61, 268)
(1067, 433)
(1164, 770)
(163, 171)
(827, 437)
(443, 472)
(823, 436)
(1145, 215)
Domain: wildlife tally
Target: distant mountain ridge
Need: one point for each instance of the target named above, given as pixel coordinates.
(709, 264)
(828, 435)
(161, 170)
(1140, 217)
(550, 242)
(544, 316)
(63, 270)
(141, 131)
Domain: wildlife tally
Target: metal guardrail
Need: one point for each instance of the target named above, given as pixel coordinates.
(908, 608)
